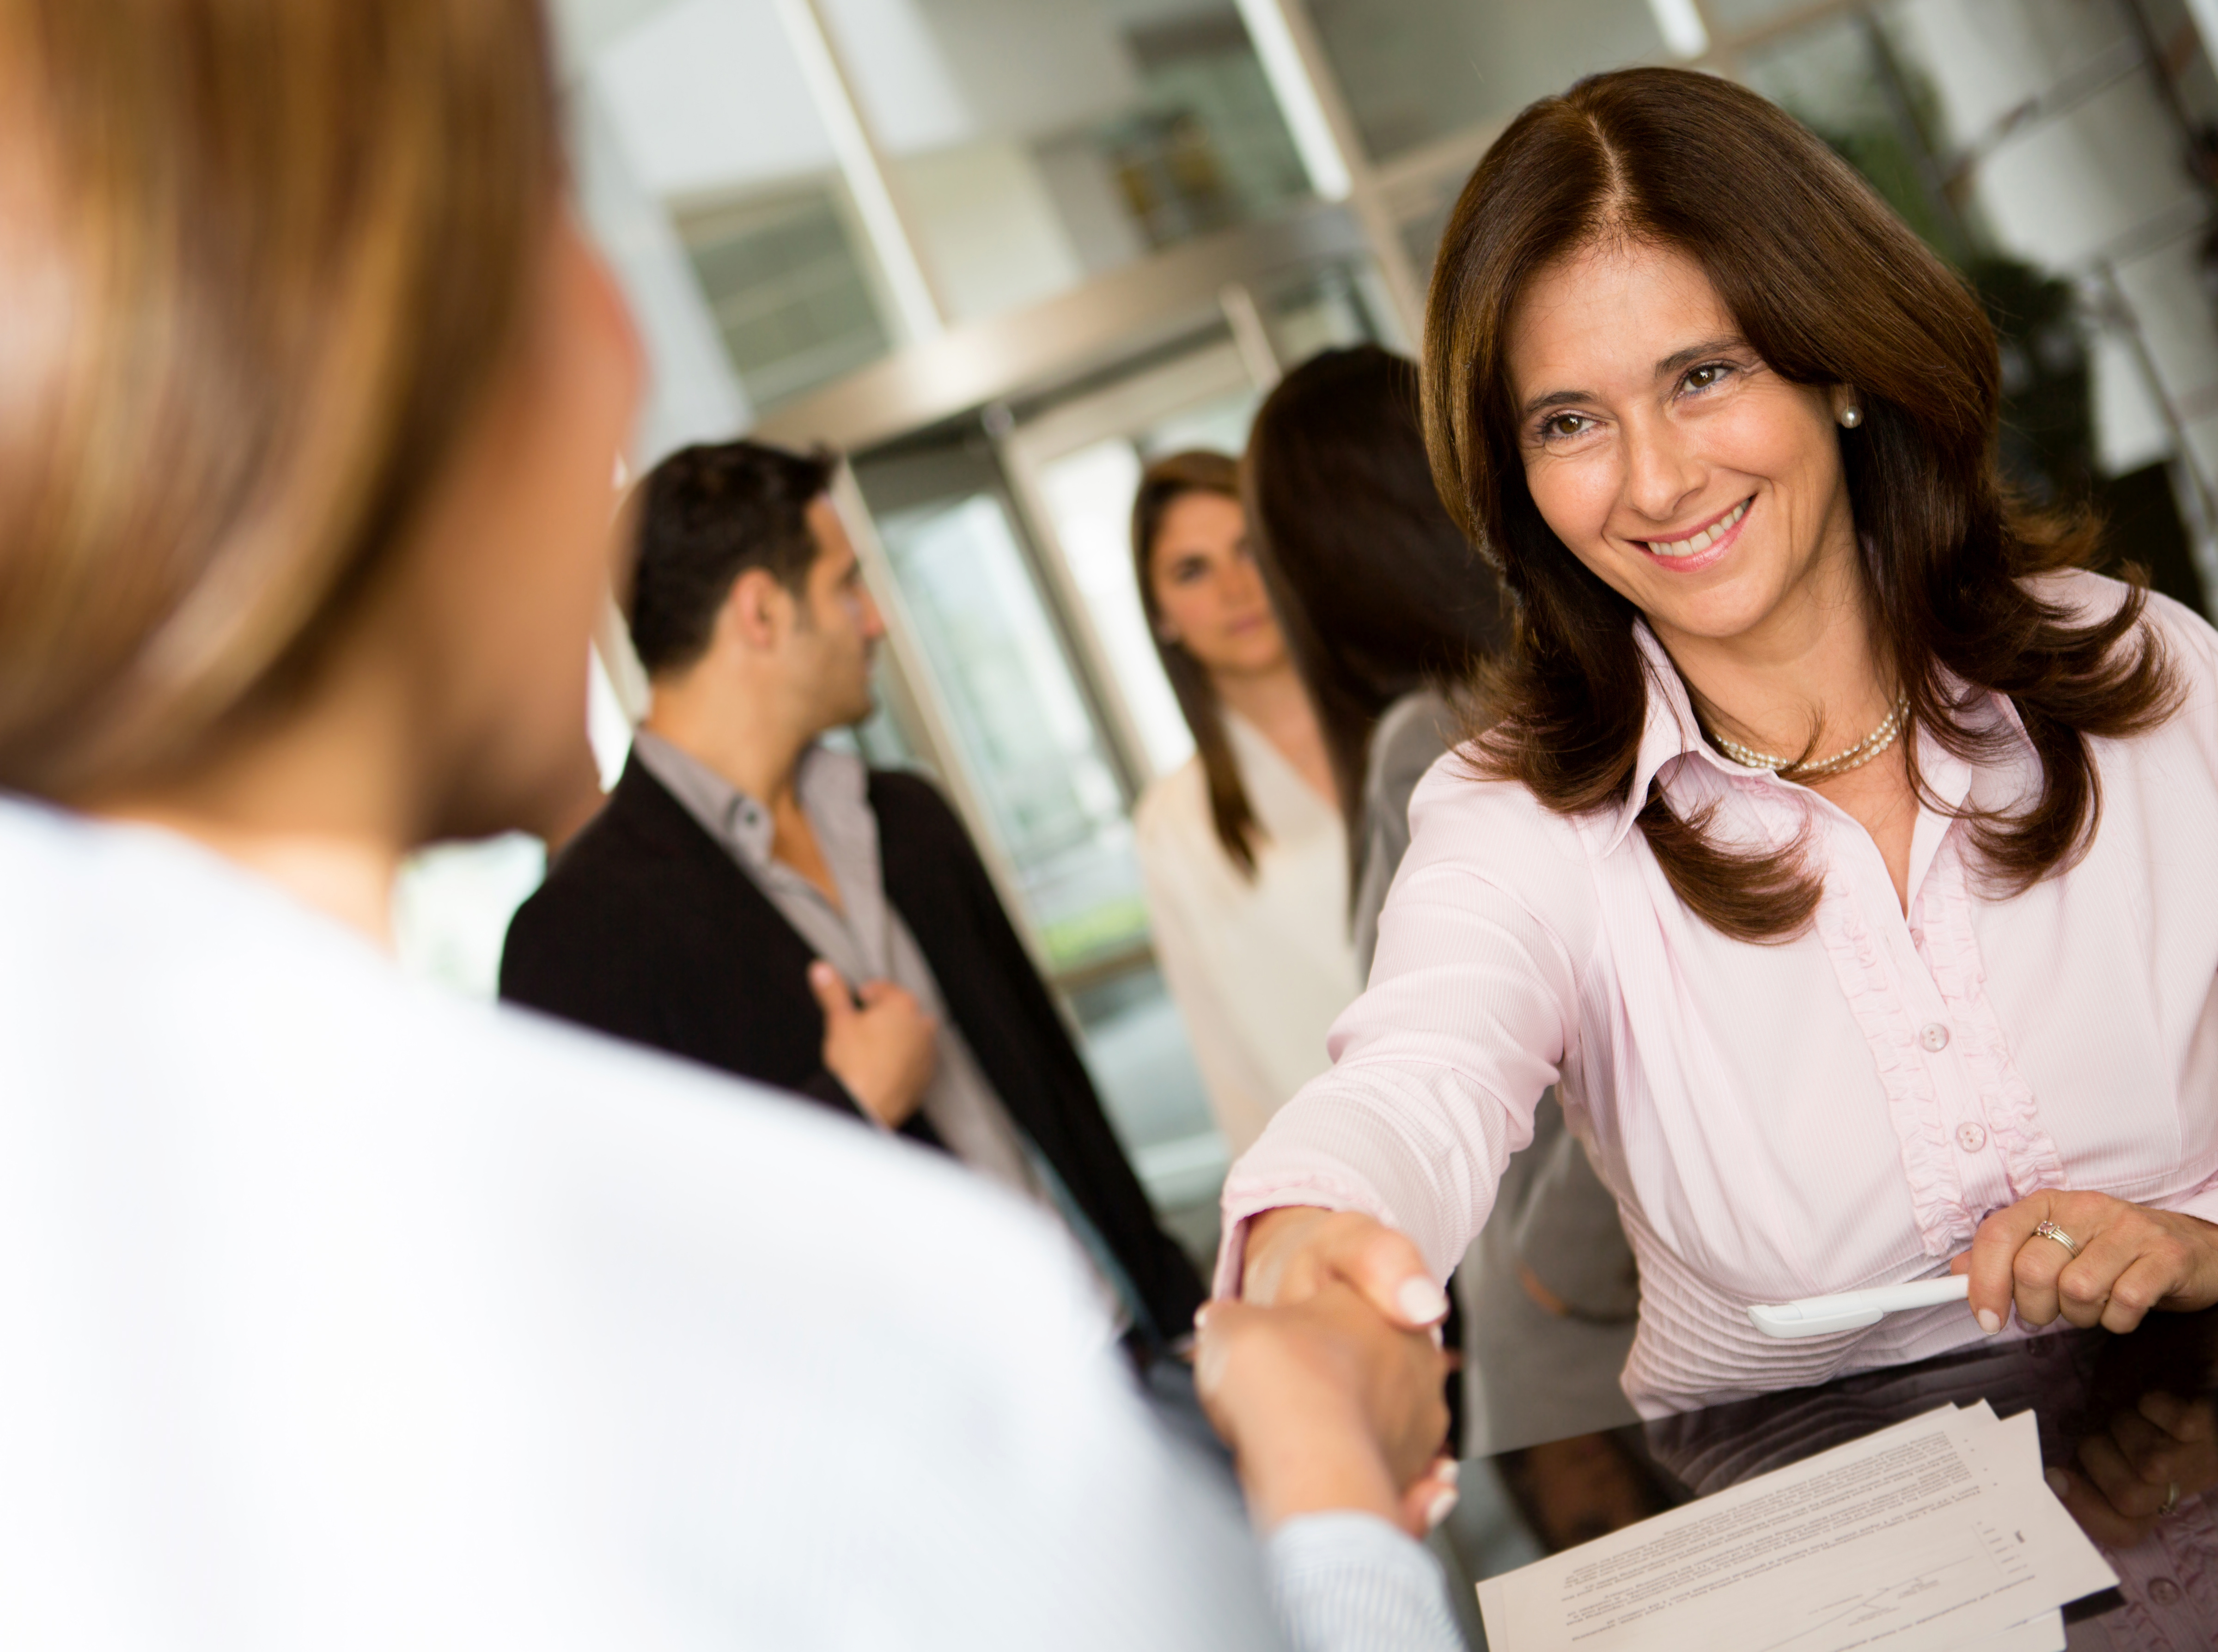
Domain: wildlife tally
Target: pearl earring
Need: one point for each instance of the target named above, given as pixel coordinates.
(1851, 416)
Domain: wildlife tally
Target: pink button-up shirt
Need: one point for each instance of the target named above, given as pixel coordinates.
(1781, 1121)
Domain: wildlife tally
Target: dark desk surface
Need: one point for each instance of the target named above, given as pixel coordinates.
(1541, 1500)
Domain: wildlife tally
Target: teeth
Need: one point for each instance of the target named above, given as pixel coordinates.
(1703, 541)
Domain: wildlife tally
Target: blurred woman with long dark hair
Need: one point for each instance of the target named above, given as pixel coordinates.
(1242, 850)
(1389, 612)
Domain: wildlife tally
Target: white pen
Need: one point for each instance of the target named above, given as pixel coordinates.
(1814, 1316)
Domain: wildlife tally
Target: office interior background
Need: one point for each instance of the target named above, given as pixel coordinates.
(1002, 253)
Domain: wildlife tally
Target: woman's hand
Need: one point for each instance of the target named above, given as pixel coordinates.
(2134, 1473)
(2124, 1259)
(1328, 1407)
(1295, 1252)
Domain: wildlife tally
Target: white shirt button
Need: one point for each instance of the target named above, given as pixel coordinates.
(1971, 1137)
(1934, 1037)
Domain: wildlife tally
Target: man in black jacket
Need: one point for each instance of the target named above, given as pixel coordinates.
(752, 900)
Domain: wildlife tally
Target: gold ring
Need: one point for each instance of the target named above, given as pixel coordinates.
(2050, 1230)
(2171, 1498)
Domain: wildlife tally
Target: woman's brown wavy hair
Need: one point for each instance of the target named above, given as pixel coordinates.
(1829, 288)
(261, 260)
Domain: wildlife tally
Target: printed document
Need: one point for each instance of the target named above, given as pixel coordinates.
(1936, 1535)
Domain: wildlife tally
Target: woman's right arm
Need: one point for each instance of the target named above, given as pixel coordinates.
(1470, 1016)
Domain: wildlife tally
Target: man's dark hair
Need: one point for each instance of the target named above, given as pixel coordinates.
(707, 514)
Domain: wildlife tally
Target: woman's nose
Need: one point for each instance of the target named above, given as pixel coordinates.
(1661, 470)
(1241, 582)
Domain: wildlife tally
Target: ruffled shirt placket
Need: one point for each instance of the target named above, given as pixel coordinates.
(1968, 1124)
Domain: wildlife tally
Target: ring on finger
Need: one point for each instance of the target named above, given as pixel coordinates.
(2050, 1230)
(2171, 1499)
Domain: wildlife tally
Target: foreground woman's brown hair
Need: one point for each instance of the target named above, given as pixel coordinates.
(284, 250)
(1828, 287)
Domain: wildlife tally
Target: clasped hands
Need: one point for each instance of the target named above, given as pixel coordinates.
(1326, 1378)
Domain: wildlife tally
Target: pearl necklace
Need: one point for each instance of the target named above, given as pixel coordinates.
(1854, 757)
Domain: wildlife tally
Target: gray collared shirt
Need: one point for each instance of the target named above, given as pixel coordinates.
(865, 940)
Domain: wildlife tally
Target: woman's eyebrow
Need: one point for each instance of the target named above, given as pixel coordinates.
(1679, 361)
(1556, 398)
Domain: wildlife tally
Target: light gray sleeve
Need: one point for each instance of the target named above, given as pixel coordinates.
(1567, 1232)
(1350, 1583)
(1409, 739)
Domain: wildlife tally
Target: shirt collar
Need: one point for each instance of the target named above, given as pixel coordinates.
(830, 786)
(1671, 732)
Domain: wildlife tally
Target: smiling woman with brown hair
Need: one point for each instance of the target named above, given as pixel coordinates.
(1841, 853)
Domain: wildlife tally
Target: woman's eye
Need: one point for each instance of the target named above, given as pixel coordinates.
(1703, 378)
(1561, 425)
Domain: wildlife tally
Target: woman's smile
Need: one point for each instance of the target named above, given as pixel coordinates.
(1703, 546)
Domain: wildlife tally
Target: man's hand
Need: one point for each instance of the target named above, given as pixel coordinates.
(1326, 1407)
(884, 1051)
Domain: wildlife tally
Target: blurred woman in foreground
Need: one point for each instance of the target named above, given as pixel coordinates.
(1842, 852)
(1388, 612)
(343, 1312)
(1242, 850)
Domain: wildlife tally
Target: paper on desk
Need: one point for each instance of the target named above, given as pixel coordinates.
(1923, 1537)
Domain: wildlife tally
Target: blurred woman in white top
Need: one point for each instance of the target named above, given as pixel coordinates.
(1243, 850)
(344, 1312)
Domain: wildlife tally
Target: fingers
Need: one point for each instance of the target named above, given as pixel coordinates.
(2094, 1512)
(1991, 1261)
(2153, 1456)
(1430, 1498)
(2080, 1285)
(2132, 1498)
(2123, 1260)
(1385, 1267)
(830, 991)
(2190, 1421)
(2145, 1281)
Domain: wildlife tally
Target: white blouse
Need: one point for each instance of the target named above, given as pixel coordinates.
(344, 1314)
(1259, 967)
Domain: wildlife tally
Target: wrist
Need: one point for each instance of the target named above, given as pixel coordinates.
(1313, 1465)
(864, 1094)
(1270, 1235)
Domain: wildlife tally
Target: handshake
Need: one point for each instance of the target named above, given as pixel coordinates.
(1327, 1379)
